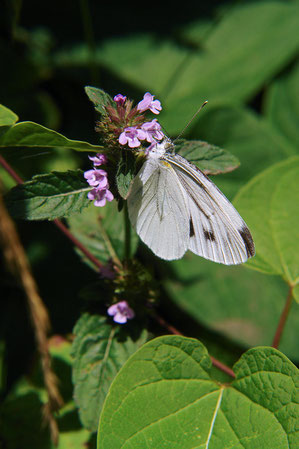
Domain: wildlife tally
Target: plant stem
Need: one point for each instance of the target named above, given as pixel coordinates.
(283, 319)
(127, 233)
(57, 222)
(215, 362)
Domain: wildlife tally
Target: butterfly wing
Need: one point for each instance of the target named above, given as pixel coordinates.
(217, 232)
(159, 210)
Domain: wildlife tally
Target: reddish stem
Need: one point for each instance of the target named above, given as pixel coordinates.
(57, 222)
(174, 331)
(283, 319)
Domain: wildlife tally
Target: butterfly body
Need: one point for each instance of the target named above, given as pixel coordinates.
(175, 207)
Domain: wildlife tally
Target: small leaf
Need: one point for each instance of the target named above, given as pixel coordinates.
(101, 230)
(164, 396)
(49, 196)
(269, 205)
(36, 137)
(99, 98)
(99, 351)
(7, 117)
(125, 173)
(211, 159)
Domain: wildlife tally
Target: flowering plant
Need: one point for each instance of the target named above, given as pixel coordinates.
(129, 296)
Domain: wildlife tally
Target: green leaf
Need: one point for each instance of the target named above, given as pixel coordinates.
(230, 66)
(211, 159)
(36, 137)
(164, 397)
(99, 351)
(125, 173)
(247, 137)
(99, 98)
(269, 203)
(242, 305)
(49, 196)
(102, 232)
(282, 104)
(7, 117)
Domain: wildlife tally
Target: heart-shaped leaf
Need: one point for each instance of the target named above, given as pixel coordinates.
(269, 204)
(164, 397)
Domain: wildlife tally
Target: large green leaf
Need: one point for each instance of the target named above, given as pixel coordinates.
(269, 203)
(164, 397)
(244, 305)
(36, 137)
(99, 351)
(50, 196)
(248, 137)
(282, 104)
(102, 231)
(7, 117)
(246, 48)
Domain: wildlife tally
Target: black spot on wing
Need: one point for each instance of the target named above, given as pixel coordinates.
(247, 239)
(209, 235)
(191, 228)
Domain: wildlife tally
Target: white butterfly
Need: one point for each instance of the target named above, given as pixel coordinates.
(174, 207)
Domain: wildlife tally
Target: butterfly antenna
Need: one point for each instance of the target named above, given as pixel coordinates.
(192, 118)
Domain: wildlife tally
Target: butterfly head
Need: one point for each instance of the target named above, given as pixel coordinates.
(157, 150)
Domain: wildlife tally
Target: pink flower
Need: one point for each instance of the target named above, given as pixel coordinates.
(121, 312)
(98, 159)
(96, 178)
(152, 130)
(100, 196)
(132, 136)
(120, 99)
(148, 102)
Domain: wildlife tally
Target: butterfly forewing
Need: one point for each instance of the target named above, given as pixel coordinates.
(159, 209)
(216, 230)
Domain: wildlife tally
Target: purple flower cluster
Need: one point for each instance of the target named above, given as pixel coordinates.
(121, 312)
(149, 131)
(97, 178)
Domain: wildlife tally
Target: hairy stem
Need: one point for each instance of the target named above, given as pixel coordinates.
(283, 319)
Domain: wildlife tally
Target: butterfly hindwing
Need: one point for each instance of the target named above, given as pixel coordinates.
(217, 232)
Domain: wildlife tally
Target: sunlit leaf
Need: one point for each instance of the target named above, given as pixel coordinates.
(269, 204)
(49, 196)
(99, 98)
(36, 137)
(186, 408)
(7, 117)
